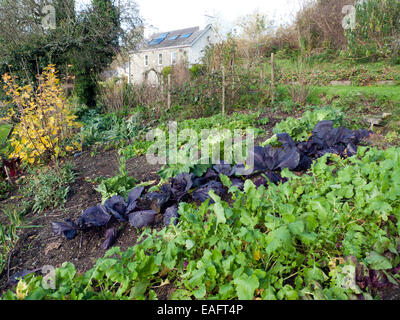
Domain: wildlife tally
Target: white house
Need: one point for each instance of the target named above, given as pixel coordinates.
(119, 68)
(166, 49)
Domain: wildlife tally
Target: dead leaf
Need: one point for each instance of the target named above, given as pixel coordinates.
(164, 283)
(52, 246)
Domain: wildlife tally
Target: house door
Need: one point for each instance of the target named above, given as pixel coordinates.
(153, 78)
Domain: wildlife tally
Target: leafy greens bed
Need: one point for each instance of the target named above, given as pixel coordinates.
(140, 208)
(330, 234)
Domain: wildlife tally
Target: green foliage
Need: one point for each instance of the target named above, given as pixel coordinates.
(227, 125)
(118, 185)
(8, 233)
(110, 128)
(92, 57)
(84, 41)
(48, 187)
(376, 30)
(85, 90)
(289, 241)
(219, 121)
(166, 71)
(136, 149)
(196, 70)
(300, 129)
(5, 189)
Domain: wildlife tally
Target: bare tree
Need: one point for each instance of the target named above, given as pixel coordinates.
(319, 23)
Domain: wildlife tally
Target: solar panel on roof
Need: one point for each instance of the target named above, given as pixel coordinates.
(187, 35)
(174, 37)
(158, 40)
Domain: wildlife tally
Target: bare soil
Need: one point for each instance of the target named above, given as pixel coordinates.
(38, 247)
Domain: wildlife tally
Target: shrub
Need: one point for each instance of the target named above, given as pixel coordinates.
(376, 30)
(166, 71)
(301, 89)
(111, 95)
(196, 70)
(319, 24)
(45, 122)
(5, 188)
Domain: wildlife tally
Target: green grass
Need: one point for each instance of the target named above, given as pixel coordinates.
(323, 72)
(357, 102)
(390, 91)
(4, 130)
(373, 67)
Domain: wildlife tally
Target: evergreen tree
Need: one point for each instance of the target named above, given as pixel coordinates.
(88, 40)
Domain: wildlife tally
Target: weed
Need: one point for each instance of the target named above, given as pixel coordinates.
(49, 187)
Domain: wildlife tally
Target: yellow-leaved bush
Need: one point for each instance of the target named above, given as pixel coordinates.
(46, 122)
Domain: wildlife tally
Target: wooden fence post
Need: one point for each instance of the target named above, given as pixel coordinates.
(169, 91)
(272, 77)
(262, 75)
(223, 90)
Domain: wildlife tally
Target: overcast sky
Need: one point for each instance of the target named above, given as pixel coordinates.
(166, 15)
(175, 14)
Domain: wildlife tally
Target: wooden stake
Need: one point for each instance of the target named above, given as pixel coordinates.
(8, 176)
(169, 91)
(223, 90)
(272, 77)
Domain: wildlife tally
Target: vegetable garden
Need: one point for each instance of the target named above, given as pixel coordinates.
(310, 212)
(316, 219)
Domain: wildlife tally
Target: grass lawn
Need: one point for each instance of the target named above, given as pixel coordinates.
(337, 64)
(390, 91)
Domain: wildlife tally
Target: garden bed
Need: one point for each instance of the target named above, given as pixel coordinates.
(38, 247)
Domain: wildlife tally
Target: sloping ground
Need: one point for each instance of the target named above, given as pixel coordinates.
(38, 247)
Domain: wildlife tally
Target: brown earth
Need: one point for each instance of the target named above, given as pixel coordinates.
(38, 247)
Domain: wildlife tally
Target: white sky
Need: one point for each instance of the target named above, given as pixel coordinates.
(166, 15)
(175, 14)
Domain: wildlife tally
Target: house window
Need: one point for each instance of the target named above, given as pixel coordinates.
(146, 60)
(174, 57)
(160, 58)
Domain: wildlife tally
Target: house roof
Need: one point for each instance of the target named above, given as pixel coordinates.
(175, 38)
